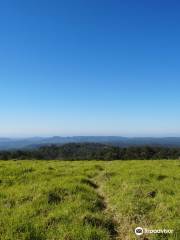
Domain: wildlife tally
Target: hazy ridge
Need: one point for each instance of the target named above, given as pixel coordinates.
(20, 143)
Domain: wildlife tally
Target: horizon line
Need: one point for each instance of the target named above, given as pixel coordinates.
(75, 136)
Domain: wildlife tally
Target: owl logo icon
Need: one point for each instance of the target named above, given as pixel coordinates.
(139, 231)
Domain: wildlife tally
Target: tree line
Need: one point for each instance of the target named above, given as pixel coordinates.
(90, 151)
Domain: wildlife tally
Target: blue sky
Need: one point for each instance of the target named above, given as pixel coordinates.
(104, 67)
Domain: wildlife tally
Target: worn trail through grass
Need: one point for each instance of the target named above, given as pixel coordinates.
(99, 186)
(45, 200)
(88, 200)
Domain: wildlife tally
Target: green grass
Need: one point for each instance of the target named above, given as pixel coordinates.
(128, 185)
(87, 200)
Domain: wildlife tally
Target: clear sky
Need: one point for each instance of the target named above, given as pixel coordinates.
(98, 67)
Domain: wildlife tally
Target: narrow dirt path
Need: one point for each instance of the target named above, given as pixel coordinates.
(108, 210)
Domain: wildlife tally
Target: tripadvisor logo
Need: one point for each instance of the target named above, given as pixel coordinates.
(139, 231)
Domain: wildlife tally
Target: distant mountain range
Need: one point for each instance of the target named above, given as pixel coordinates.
(17, 143)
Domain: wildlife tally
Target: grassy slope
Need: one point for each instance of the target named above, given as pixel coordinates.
(51, 200)
(127, 185)
(63, 200)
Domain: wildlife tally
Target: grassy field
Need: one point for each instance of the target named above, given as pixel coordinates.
(88, 200)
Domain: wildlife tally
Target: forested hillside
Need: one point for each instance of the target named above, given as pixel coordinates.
(89, 151)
